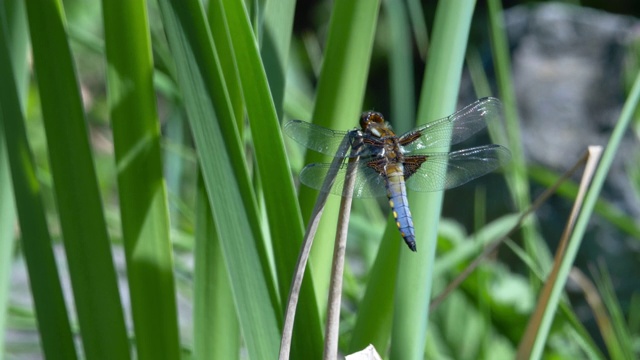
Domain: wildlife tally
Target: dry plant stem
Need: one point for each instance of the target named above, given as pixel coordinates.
(494, 245)
(301, 264)
(335, 287)
(526, 345)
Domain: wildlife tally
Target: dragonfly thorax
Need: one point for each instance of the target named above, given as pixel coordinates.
(380, 139)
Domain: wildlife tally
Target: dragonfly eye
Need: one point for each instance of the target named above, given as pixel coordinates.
(370, 117)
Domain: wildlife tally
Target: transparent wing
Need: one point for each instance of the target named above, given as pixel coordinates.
(368, 183)
(440, 171)
(454, 128)
(317, 138)
(443, 171)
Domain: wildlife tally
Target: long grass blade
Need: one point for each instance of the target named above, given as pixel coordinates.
(375, 311)
(274, 51)
(419, 26)
(143, 203)
(222, 44)
(285, 222)
(16, 28)
(339, 97)
(517, 171)
(438, 99)
(373, 323)
(401, 76)
(13, 19)
(199, 75)
(50, 308)
(86, 241)
(620, 333)
(216, 332)
(7, 221)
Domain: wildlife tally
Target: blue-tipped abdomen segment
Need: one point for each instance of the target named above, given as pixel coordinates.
(397, 193)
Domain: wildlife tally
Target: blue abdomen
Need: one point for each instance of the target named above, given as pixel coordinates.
(397, 194)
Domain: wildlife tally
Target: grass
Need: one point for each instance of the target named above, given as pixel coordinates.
(231, 204)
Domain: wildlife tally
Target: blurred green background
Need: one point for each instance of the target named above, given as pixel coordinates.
(154, 214)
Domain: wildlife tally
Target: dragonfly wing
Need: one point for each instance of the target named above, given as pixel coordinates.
(454, 128)
(368, 183)
(441, 171)
(317, 138)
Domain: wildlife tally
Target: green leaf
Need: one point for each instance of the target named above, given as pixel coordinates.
(216, 329)
(200, 80)
(276, 40)
(12, 17)
(339, 97)
(78, 200)
(7, 219)
(143, 202)
(373, 324)
(51, 312)
(285, 223)
(401, 67)
(222, 44)
(438, 99)
(517, 171)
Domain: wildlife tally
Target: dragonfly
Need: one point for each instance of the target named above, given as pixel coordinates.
(388, 164)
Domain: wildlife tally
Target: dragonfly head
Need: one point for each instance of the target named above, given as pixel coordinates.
(372, 122)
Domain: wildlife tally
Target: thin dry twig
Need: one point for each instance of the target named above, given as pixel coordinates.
(335, 287)
(303, 256)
